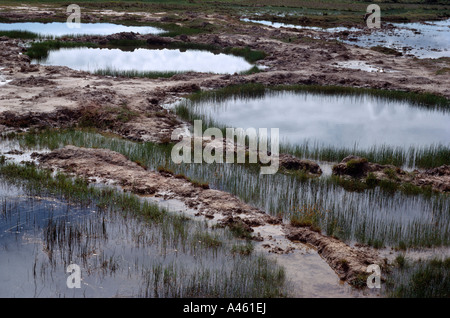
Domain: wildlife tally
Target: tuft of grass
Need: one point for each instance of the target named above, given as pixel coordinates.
(250, 55)
(308, 216)
(443, 71)
(423, 279)
(206, 239)
(243, 249)
(19, 34)
(355, 166)
(253, 70)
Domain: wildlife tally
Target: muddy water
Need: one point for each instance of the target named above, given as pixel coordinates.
(142, 60)
(423, 40)
(58, 29)
(309, 275)
(119, 256)
(328, 120)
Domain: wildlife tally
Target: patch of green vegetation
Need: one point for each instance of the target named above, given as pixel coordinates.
(400, 261)
(243, 249)
(250, 55)
(19, 34)
(39, 50)
(253, 70)
(308, 216)
(239, 229)
(206, 239)
(423, 279)
(360, 281)
(391, 174)
(371, 180)
(443, 71)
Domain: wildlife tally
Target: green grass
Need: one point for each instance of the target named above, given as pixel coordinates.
(19, 34)
(250, 55)
(423, 279)
(39, 50)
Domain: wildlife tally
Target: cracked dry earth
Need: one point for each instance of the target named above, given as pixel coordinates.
(52, 96)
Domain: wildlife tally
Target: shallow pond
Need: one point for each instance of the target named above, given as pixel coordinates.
(145, 60)
(423, 40)
(59, 29)
(332, 120)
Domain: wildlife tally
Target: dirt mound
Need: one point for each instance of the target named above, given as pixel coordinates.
(438, 178)
(290, 162)
(32, 81)
(357, 167)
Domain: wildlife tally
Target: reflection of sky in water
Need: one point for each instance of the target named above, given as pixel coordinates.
(332, 120)
(296, 26)
(61, 28)
(432, 42)
(92, 59)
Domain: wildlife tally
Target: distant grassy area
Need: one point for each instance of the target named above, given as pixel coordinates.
(307, 12)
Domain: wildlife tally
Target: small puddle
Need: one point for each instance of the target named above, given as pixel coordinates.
(423, 40)
(3, 80)
(362, 66)
(145, 60)
(296, 26)
(59, 29)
